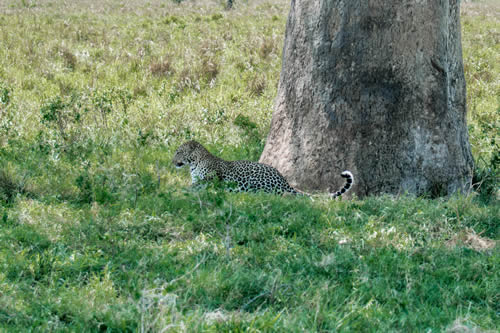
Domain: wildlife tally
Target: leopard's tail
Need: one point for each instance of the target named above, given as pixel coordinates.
(347, 187)
(349, 182)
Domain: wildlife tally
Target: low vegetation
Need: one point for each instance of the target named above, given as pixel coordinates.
(98, 230)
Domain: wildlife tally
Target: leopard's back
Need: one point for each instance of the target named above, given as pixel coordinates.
(253, 176)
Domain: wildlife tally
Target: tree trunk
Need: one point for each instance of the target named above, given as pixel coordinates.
(375, 87)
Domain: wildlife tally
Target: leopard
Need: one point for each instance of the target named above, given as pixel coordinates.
(247, 176)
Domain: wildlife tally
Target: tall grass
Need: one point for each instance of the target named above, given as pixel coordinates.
(481, 48)
(98, 231)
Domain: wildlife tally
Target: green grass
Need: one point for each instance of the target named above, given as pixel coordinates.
(481, 49)
(99, 232)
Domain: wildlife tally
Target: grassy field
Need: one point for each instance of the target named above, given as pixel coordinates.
(99, 232)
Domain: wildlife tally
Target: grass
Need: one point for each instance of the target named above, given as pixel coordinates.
(481, 47)
(98, 231)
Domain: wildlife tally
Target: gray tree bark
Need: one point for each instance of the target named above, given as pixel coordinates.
(375, 87)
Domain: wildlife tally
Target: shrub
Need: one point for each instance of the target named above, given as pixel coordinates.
(161, 68)
(267, 46)
(69, 58)
(257, 85)
(487, 177)
(9, 186)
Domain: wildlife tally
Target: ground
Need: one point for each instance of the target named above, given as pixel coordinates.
(99, 231)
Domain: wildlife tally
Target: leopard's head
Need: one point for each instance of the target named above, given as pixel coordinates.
(187, 153)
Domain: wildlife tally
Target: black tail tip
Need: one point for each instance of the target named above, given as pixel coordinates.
(347, 186)
(347, 174)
